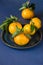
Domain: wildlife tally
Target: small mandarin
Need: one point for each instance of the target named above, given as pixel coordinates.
(37, 22)
(27, 13)
(21, 39)
(27, 29)
(12, 27)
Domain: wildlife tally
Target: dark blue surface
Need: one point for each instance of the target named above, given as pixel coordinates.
(9, 56)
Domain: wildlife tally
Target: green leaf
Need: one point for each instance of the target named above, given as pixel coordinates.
(32, 27)
(32, 6)
(25, 5)
(18, 31)
(28, 36)
(2, 26)
(14, 34)
(8, 21)
(22, 8)
(14, 17)
(22, 29)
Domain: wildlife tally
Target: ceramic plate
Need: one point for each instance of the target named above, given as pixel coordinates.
(33, 42)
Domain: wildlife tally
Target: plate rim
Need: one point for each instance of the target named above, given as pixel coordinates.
(21, 47)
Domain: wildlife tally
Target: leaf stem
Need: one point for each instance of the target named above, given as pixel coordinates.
(3, 24)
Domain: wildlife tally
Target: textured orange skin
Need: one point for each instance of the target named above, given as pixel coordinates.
(21, 39)
(27, 13)
(27, 30)
(37, 22)
(12, 27)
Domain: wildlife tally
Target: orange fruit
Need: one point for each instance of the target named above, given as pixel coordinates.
(12, 27)
(37, 22)
(27, 29)
(27, 13)
(21, 39)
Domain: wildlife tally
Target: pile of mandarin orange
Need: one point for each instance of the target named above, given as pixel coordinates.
(28, 29)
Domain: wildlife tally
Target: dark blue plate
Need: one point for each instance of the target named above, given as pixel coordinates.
(33, 42)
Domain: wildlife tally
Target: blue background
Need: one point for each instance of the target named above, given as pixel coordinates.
(9, 56)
